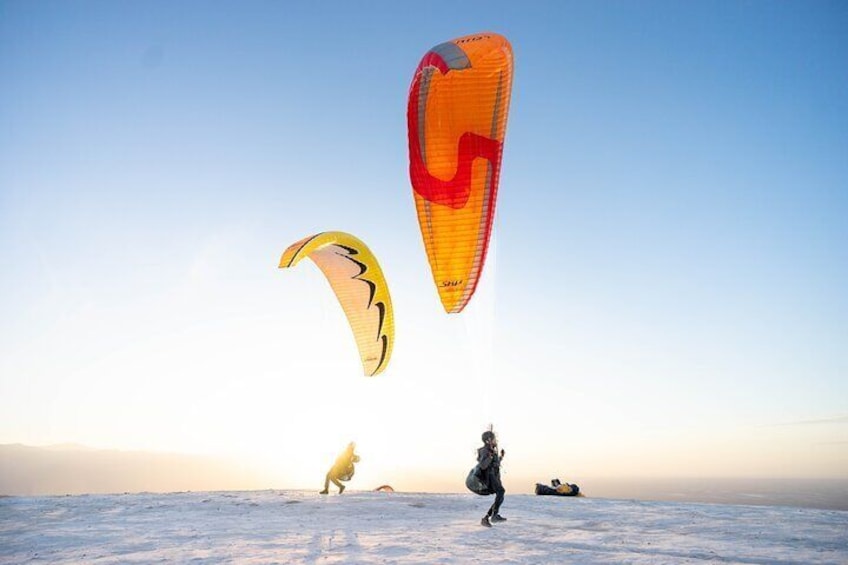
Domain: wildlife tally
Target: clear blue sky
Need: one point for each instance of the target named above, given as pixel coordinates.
(670, 262)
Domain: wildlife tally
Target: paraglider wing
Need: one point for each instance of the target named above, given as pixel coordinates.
(359, 285)
(456, 115)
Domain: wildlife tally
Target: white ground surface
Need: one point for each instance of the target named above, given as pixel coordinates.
(370, 527)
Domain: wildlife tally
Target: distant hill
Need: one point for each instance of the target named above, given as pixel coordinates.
(74, 469)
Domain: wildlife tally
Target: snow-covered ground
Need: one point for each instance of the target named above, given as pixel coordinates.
(372, 527)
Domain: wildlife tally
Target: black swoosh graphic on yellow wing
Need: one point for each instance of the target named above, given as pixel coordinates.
(372, 286)
(305, 243)
(381, 307)
(385, 341)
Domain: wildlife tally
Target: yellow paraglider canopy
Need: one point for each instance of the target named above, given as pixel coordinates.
(359, 284)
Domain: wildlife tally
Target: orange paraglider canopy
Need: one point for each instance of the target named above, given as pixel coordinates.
(456, 115)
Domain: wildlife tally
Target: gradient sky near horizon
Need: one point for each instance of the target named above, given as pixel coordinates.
(665, 294)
